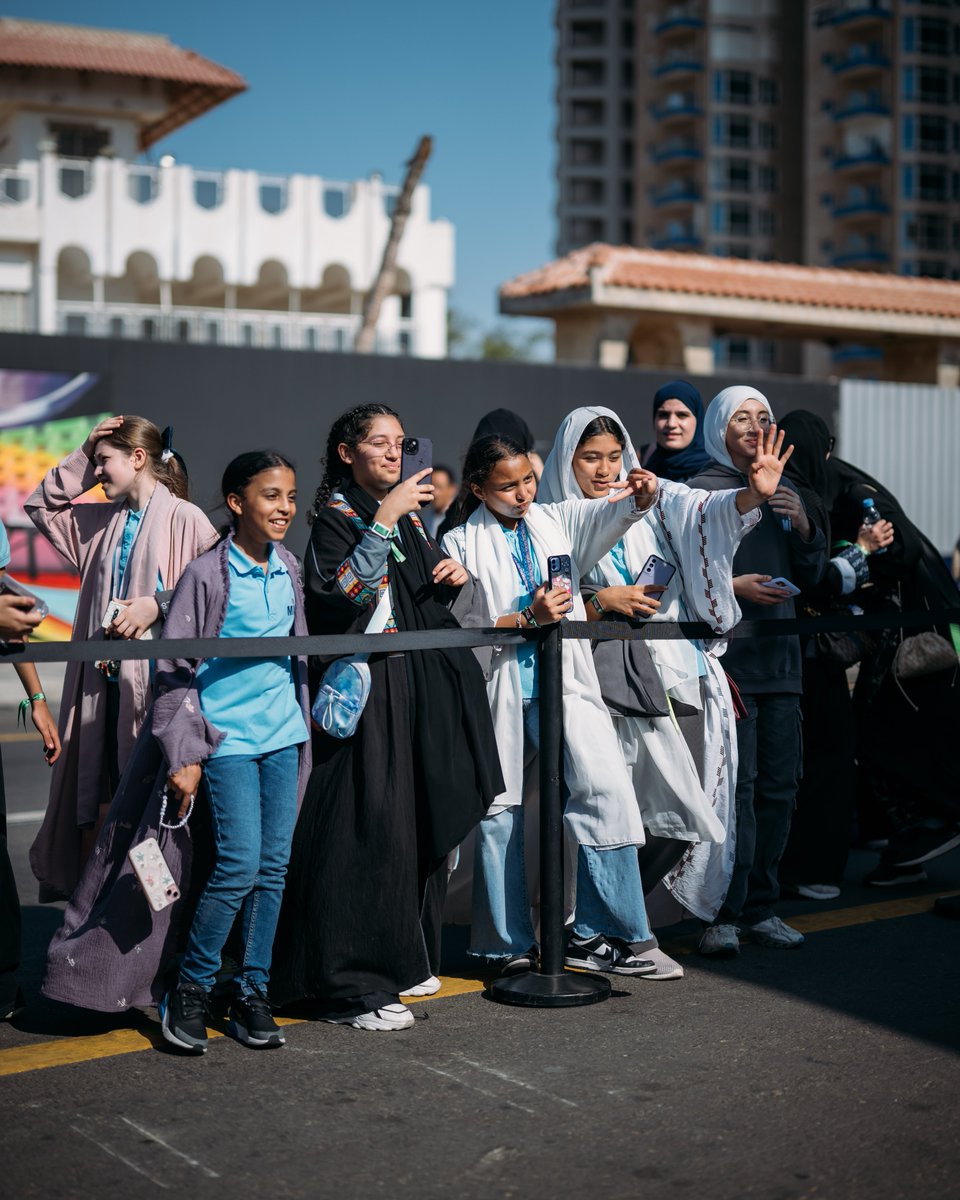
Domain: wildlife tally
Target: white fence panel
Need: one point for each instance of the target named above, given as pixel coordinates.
(908, 437)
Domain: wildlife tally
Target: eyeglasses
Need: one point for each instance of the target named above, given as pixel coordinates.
(382, 445)
(745, 420)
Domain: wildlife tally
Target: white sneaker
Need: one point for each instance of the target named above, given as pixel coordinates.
(389, 1018)
(667, 968)
(720, 941)
(773, 932)
(429, 987)
(816, 891)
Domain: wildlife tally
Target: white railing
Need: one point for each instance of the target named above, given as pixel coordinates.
(226, 327)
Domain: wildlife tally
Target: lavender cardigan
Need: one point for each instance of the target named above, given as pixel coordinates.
(112, 951)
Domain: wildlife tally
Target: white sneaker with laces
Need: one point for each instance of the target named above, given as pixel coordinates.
(773, 932)
(429, 987)
(720, 941)
(389, 1018)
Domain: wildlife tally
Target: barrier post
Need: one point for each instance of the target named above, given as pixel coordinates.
(551, 986)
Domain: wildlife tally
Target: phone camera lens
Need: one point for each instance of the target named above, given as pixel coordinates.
(410, 446)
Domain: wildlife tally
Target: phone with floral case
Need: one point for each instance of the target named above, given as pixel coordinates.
(153, 874)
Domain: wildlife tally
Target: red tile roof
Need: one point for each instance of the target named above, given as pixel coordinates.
(701, 274)
(197, 83)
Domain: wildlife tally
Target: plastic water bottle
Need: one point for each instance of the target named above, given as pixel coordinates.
(870, 517)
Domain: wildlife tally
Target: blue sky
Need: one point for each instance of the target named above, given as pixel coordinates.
(340, 89)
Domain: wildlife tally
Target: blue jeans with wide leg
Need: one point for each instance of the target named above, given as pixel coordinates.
(253, 810)
(609, 890)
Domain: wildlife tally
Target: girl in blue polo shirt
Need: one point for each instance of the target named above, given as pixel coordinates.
(245, 721)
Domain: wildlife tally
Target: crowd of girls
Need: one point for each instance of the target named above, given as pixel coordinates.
(321, 869)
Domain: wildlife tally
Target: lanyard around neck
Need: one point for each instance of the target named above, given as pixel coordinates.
(524, 560)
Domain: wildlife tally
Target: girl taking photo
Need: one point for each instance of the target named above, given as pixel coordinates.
(129, 551)
(384, 808)
(505, 543)
(238, 727)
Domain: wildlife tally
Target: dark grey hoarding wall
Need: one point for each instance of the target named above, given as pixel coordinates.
(224, 400)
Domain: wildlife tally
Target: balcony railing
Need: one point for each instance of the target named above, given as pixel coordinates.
(861, 59)
(861, 154)
(676, 150)
(860, 256)
(850, 12)
(860, 104)
(227, 327)
(680, 238)
(681, 192)
(678, 62)
(861, 202)
(677, 105)
(679, 17)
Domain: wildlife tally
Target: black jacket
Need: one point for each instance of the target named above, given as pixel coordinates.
(766, 665)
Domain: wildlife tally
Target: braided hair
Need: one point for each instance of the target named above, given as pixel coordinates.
(349, 429)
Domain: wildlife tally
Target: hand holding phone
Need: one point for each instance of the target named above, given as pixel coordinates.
(10, 587)
(784, 584)
(656, 572)
(417, 455)
(559, 573)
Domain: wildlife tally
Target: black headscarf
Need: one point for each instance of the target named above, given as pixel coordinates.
(807, 466)
(680, 465)
(455, 748)
(507, 424)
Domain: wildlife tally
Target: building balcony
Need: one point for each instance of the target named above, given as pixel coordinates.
(681, 192)
(853, 14)
(859, 104)
(860, 203)
(859, 158)
(677, 64)
(678, 238)
(227, 327)
(676, 150)
(856, 354)
(860, 256)
(678, 106)
(861, 60)
(680, 18)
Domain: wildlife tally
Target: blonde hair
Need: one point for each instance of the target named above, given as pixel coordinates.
(137, 433)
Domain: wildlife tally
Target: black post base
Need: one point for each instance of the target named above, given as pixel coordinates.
(570, 989)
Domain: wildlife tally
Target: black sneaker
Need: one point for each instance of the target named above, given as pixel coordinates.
(608, 954)
(887, 875)
(920, 845)
(183, 1012)
(251, 1022)
(12, 1006)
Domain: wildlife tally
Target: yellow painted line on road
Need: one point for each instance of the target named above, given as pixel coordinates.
(29, 736)
(61, 1052)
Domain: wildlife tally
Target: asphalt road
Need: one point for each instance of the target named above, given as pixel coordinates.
(824, 1072)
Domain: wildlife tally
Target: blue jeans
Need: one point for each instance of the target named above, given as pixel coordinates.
(253, 809)
(609, 890)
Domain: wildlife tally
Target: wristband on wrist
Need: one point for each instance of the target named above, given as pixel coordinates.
(595, 601)
(530, 618)
(381, 531)
(25, 704)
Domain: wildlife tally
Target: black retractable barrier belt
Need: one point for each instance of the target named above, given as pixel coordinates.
(333, 645)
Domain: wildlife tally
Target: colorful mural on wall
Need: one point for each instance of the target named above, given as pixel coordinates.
(33, 438)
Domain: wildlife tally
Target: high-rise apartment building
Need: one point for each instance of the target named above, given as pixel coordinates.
(824, 132)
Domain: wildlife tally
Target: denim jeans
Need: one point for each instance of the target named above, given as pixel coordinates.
(609, 891)
(253, 809)
(770, 754)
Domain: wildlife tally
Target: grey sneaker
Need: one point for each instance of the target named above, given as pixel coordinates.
(773, 932)
(720, 941)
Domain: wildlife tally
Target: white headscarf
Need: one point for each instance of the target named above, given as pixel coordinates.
(719, 411)
(558, 481)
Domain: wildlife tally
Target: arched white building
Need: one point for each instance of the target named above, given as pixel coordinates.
(95, 242)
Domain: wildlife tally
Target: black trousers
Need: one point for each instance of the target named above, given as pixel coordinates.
(9, 911)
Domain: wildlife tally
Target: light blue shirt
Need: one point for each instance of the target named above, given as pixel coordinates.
(254, 700)
(131, 527)
(4, 547)
(527, 654)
